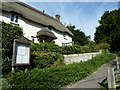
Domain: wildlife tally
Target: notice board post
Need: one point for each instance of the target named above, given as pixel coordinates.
(21, 53)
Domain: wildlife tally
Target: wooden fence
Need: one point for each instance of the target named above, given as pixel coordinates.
(113, 73)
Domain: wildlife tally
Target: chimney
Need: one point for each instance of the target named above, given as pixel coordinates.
(57, 17)
(43, 11)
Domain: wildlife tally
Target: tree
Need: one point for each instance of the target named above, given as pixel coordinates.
(109, 30)
(79, 36)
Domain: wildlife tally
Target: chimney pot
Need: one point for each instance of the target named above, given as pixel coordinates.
(43, 11)
(57, 17)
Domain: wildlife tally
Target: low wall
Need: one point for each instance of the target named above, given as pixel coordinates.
(69, 59)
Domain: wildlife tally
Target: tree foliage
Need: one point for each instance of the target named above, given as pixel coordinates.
(79, 36)
(109, 30)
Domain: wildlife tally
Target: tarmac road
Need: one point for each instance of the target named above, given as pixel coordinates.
(91, 81)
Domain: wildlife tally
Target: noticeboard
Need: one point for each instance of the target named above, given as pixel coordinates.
(21, 52)
(22, 56)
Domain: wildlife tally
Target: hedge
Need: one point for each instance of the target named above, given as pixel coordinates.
(57, 77)
(51, 47)
(4, 83)
(48, 59)
(45, 47)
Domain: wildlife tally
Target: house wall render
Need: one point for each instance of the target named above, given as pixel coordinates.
(30, 29)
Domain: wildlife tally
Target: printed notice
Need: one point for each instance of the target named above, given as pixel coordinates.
(22, 54)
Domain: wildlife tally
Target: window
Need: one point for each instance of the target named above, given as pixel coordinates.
(50, 28)
(14, 18)
(64, 35)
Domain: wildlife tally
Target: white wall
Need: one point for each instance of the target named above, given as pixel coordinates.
(61, 39)
(31, 29)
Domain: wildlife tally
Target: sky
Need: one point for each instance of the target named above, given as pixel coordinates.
(83, 14)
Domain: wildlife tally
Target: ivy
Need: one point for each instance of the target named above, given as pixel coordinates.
(9, 33)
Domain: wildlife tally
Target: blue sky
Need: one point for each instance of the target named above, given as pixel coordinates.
(84, 15)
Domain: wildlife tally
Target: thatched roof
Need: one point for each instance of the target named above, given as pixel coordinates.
(33, 14)
(46, 32)
(23, 40)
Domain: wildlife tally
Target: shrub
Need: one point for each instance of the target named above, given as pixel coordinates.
(51, 47)
(57, 77)
(45, 47)
(103, 46)
(74, 49)
(42, 60)
(4, 84)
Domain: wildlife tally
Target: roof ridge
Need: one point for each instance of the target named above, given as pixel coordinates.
(32, 8)
(9, 1)
(39, 18)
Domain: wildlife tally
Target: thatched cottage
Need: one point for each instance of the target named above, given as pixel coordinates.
(37, 25)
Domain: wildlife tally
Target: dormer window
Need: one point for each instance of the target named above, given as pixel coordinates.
(64, 35)
(14, 18)
(50, 28)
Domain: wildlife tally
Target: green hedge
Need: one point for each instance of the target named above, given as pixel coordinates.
(43, 60)
(45, 47)
(51, 47)
(57, 77)
(74, 49)
(4, 84)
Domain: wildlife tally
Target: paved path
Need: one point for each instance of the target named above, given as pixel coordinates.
(93, 80)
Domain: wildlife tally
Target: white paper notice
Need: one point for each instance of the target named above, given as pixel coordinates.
(22, 54)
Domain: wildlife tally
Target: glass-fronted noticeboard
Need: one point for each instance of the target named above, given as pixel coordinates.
(21, 52)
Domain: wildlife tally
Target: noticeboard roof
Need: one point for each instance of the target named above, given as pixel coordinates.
(23, 40)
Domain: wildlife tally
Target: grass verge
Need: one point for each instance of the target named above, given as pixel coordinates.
(57, 77)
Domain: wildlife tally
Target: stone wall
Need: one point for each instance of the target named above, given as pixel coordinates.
(69, 59)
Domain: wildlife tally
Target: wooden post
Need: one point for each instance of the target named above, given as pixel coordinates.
(111, 79)
(13, 69)
(118, 67)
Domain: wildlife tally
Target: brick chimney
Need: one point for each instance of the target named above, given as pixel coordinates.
(57, 17)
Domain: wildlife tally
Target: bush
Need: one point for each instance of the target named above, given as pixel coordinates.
(74, 49)
(51, 47)
(42, 60)
(103, 46)
(4, 84)
(45, 47)
(57, 77)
